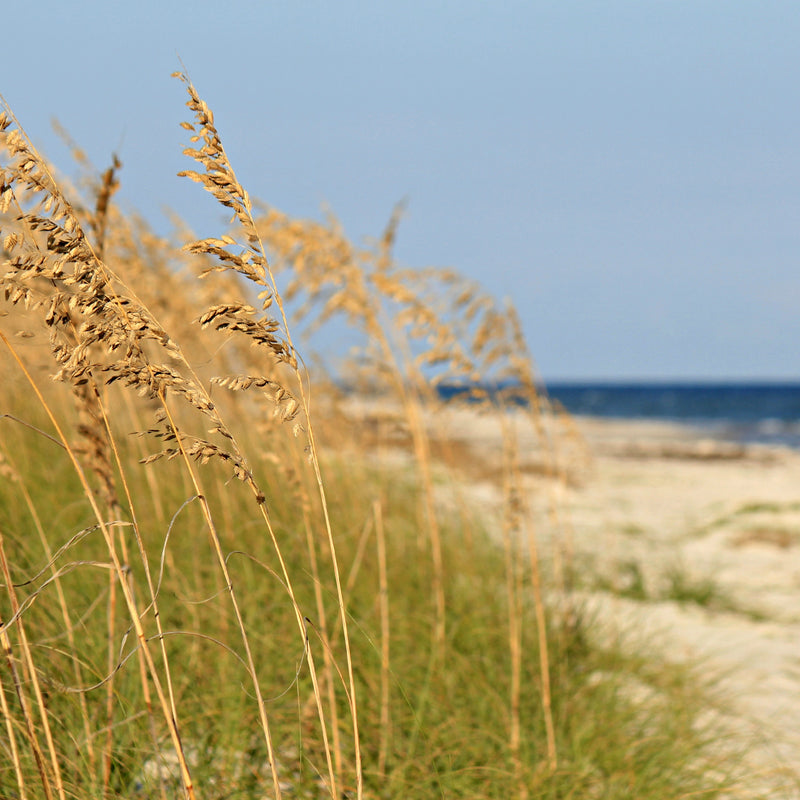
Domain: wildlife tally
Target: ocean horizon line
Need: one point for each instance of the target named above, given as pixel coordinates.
(669, 381)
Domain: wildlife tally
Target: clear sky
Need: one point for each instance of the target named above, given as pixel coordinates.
(628, 171)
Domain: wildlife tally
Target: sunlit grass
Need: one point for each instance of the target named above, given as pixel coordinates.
(216, 584)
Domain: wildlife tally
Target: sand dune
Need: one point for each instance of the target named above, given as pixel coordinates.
(689, 544)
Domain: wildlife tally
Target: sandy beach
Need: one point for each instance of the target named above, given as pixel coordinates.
(659, 502)
(689, 544)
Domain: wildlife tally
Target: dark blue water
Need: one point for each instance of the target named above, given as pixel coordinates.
(768, 413)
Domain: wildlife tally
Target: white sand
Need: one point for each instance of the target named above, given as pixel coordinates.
(736, 522)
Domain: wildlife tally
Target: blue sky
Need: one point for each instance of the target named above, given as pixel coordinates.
(627, 171)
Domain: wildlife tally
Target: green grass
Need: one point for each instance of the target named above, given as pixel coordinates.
(703, 591)
(675, 584)
(746, 510)
(449, 723)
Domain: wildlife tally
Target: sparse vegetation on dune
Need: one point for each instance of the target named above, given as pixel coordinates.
(215, 583)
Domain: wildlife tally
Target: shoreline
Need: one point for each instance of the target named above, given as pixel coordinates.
(661, 438)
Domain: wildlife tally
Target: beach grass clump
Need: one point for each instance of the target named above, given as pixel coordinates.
(424, 731)
(217, 581)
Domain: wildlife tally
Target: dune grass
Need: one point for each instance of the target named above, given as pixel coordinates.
(434, 732)
(218, 581)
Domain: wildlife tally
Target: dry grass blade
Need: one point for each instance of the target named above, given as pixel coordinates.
(220, 180)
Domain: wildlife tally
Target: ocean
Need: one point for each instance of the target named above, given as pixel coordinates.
(766, 413)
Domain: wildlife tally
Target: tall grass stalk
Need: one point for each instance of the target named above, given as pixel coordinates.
(220, 179)
(383, 595)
